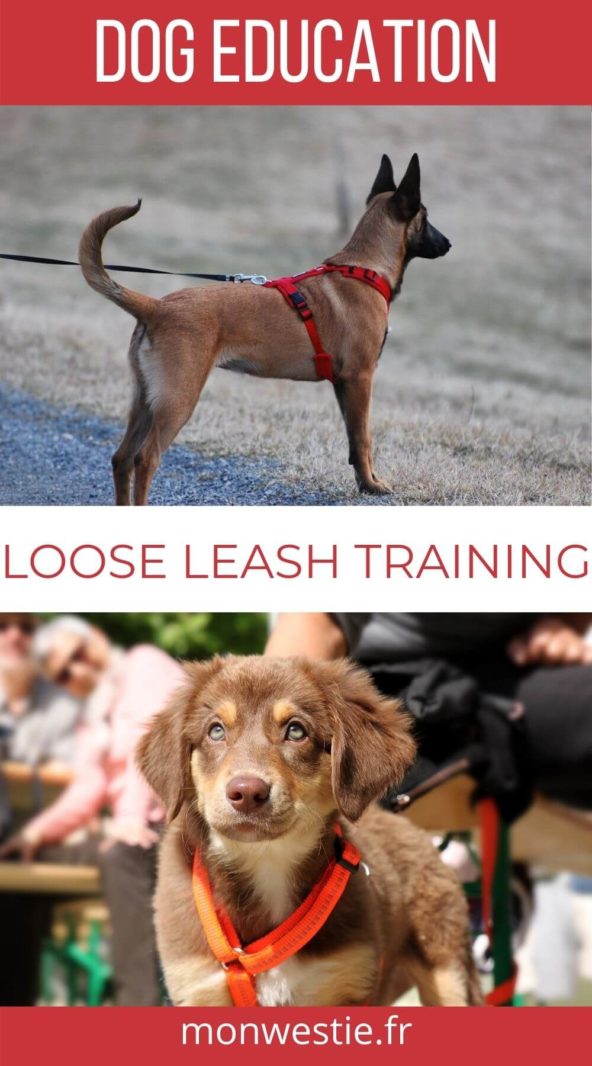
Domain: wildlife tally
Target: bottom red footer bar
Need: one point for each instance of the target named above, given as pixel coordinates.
(81, 1036)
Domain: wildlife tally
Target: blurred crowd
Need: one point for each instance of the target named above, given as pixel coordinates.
(73, 702)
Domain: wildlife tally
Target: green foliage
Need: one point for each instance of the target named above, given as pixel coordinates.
(187, 636)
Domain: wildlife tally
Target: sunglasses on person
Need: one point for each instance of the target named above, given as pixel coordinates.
(65, 674)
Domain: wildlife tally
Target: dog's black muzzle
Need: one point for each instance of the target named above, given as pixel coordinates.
(433, 244)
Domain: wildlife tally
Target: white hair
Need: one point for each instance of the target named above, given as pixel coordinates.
(45, 636)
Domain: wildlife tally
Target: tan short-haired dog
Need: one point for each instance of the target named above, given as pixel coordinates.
(263, 765)
(179, 339)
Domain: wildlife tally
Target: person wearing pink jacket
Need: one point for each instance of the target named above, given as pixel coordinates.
(107, 816)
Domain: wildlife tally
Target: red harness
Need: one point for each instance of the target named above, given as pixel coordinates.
(501, 995)
(241, 962)
(324, 360)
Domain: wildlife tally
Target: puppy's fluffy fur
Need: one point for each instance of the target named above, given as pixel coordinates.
(327, 745)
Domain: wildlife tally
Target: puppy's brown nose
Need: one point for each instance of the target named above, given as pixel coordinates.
(247, 794)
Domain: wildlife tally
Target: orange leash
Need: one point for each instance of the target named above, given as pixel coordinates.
(243, 962)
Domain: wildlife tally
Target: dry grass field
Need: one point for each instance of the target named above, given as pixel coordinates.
(483, 391)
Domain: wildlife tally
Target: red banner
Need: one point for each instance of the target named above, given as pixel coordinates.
(148, 52)
(93, 1037)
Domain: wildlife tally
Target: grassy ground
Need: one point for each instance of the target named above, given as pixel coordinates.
(483, 391)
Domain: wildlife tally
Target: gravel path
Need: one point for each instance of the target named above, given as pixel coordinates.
(50, 455)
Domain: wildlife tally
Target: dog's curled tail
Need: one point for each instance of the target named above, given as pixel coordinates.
(91, 263)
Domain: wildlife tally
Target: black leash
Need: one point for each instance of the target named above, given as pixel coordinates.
(257, 279)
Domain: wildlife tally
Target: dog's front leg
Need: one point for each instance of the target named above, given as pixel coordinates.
(353, 396)
(191, 982)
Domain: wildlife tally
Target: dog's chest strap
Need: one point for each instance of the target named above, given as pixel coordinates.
(241, 962)
(287, 286)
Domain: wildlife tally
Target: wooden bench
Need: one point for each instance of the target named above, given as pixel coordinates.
(75, 946)
(549, 835)
(47, 878)
(27, 790)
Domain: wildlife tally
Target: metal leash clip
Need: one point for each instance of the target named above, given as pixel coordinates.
(256, 279)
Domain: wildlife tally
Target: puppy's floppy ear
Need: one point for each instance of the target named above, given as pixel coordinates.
(384, 180)
(407, 199)
(164, 752)
(372, 745)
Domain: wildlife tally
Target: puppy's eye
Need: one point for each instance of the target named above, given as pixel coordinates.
(296, 731)
(216, 732)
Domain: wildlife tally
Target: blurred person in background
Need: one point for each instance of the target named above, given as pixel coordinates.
(540, 668)
(555, 963)
(37, 719)
(541, 663)
(108, 815)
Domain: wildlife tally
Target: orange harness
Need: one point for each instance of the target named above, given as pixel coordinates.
(243, 962)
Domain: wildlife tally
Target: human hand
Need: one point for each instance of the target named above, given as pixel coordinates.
(21, 846)
(551, 642)
(130, 832)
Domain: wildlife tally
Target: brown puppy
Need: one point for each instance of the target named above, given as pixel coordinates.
(178, 340)
(255, 759)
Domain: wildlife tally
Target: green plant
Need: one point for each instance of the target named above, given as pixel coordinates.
(191, 636)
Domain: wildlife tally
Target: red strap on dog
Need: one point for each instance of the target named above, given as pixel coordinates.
(323, 360)
(490, 825)
(243, 963)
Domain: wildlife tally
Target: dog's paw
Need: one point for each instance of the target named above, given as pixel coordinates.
(376, 487)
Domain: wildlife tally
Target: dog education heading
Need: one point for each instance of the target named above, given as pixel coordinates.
(150, 52)
(255, 51)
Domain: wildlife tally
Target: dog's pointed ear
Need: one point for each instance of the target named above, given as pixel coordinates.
(407, 199)
(164, 752)
(384, 180)
(372, 747)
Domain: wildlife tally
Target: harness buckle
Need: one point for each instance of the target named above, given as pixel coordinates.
(351, 867)
(232, 965)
